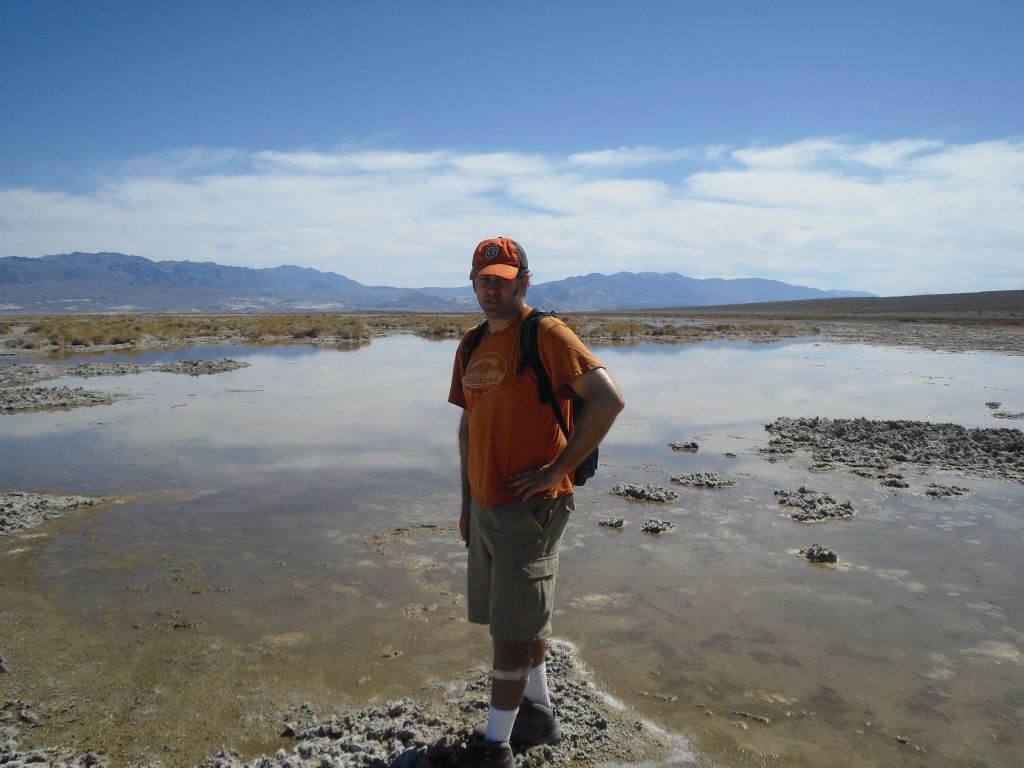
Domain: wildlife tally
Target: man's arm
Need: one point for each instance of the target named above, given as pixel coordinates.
(604, 403)
(464, 464)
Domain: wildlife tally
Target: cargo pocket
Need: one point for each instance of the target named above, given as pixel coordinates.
(543, 515)
(535, 584)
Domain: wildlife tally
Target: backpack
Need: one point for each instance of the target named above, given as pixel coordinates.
(529, 356)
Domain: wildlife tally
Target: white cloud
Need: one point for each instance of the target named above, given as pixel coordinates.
(493, 165)
(628, 157)
(889, 217)
(799, 154)
(888, 155)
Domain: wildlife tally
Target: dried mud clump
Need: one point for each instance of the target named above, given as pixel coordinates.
(658, 526)
(19, 399)
(644, 492)
(879, 445)
(937, 491)
(200, 367)
(703, 480)
(1012, 415)
(814, 506)
(685, 447)
(894, 480)
(818, 553)
(21, 511)
(613, 522)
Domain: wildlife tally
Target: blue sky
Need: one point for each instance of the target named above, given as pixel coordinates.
(876, 146)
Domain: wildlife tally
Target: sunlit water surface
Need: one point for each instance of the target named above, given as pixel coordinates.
(257, 494)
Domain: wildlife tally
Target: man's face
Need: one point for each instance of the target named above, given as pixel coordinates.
(499, 298)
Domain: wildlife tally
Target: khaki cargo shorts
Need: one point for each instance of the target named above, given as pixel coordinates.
(513, 561)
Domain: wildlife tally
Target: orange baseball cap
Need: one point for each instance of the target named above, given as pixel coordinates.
(498, 256)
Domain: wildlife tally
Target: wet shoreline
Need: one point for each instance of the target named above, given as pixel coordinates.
(414, 733)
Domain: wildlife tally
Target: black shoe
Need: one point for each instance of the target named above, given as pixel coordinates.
(492, 754)
(535, 725)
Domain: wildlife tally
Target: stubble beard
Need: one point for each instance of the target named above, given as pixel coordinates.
(507, 310)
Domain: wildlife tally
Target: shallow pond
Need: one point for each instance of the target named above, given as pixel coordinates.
(254, 500)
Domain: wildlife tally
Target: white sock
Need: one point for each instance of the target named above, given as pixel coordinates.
(537, 685)
(499, 723)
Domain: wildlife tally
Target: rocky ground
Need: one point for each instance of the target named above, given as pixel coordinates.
(411, 733)
(16, 396)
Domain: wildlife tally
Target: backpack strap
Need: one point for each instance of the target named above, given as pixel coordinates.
(472, 341)
(529, 356)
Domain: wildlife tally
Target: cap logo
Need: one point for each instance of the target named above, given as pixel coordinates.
(491, 251)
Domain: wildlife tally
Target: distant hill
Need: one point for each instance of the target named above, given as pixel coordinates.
(629, 290)
(985, 307)
(115, 282)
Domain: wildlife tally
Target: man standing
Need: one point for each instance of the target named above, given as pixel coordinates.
(517, 482)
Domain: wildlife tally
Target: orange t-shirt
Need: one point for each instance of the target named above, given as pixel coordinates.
(510, 429)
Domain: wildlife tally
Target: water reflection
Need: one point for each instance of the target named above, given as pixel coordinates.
(262, 486)
(302, 415)
(200, 352)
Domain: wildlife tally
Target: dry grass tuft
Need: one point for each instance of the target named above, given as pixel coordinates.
(626, 330)
(447, 326)
(79, 331)
(58, 333)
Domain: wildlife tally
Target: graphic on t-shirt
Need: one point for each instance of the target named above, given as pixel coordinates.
(485, 372)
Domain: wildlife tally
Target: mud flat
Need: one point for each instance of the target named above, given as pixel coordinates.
(239, 705)
(987, 321)
(31, 373)
(412, 733)
(193, 689)
(978, 307)
(16, 397)
(20, 399)
(881, 445)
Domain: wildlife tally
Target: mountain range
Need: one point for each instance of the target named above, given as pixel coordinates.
(116, 282)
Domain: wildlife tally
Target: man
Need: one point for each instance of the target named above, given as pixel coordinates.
(517, 482)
